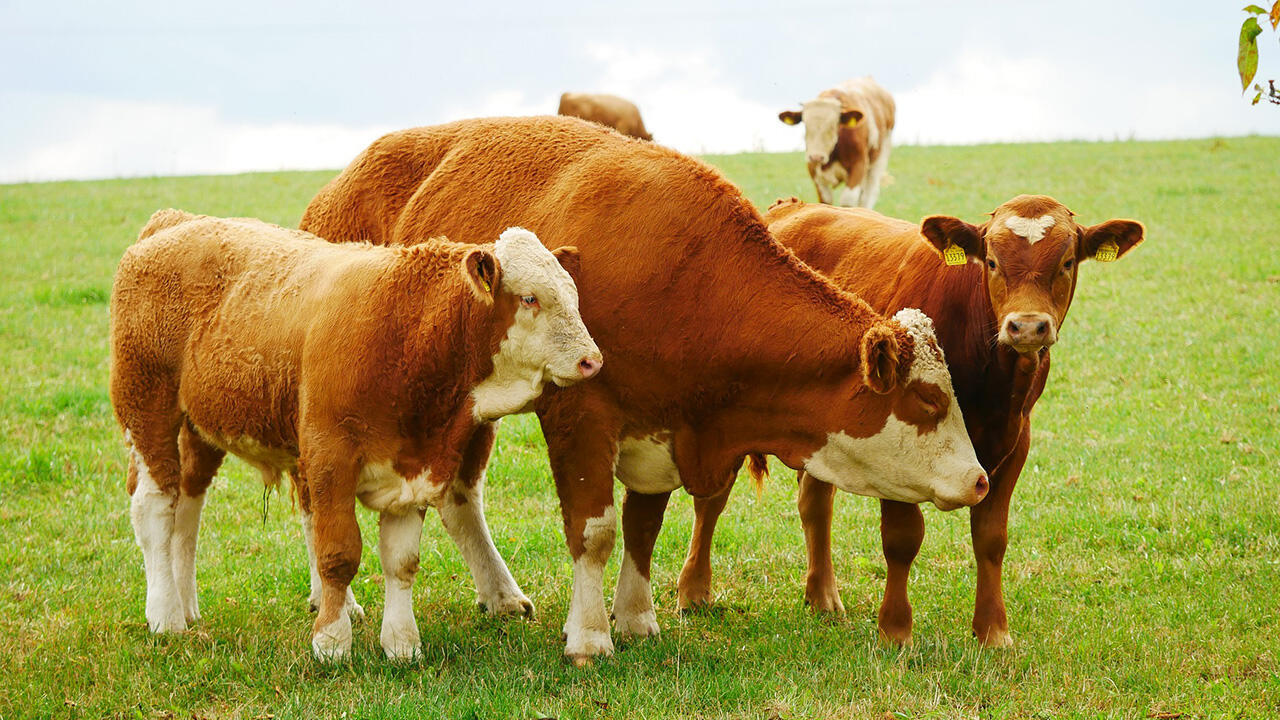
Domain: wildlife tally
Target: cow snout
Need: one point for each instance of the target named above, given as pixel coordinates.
(969, 492)
(1029, 331)
(816, 160)
(590, 365)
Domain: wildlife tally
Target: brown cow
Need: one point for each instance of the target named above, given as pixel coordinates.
(848, 133)
(685, 291)
(608, 110)
(363, 372)
(997, 314)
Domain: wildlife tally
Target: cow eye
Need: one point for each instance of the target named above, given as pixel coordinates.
(991, 263)
(1066, 266)
(530, 301)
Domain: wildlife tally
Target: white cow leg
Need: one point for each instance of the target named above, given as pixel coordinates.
(851, 196)
(462, 512)
(874, 175)
(825, 195)
(353, 608)
(586, 628)
(186, 526)
(398, 539)
(633, 602)
(152, 512)
(642, 515)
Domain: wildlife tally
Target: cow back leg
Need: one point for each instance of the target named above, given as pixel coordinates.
(330, 478)
(462, 512)
(399, 536)
(694, 588)
(633, 611)
(200, 461)
(816, 502)
(901, 534)
(989, 529)
(582, 435)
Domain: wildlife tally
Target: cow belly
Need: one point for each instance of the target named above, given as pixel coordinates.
(646, 465)
(382, 489)
(270, 461)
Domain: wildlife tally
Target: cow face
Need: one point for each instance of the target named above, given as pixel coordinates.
(822, 117)
(546, 339)
(1031, 249)
(902, 437)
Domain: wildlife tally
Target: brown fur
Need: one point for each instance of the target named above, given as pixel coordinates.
(608, 110)
(326, 356)
(681, 285)
(894, 264)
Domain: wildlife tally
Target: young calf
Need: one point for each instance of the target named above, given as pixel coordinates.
(364, 372)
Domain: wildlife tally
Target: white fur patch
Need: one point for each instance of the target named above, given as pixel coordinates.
(399, 536)
(333, 641)
(496, 589)
(382, 489)
(152, 512)
(186, 528)
(1033, 229)
(633, 612)
(646, 465)
(587, 626)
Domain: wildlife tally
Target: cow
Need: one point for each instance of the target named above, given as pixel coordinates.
(685, 291)
(608, 110)
(848, 132)
(363, 372)
(997, 313)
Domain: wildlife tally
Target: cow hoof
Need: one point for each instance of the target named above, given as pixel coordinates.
(587, 645)
(354, 610)
(641, 626)
(895, 637)
(165, 618)
(507, 604)
(996, 639)
(692, 600)
(825, 602)
(332, 643)
(402, 648)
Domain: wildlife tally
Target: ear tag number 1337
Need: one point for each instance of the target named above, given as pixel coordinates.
(953, 254)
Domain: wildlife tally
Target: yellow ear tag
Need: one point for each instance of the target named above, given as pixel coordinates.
(953, 254)
(1107, 251)
(487, 287)
(853, 121)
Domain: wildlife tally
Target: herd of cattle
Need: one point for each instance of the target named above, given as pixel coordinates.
(663, 330)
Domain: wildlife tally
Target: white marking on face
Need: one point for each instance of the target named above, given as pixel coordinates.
(587, 626)
(399, 536)
(899, 463)
(152, 513)
(633, 612)
(381, 488)
(1033, 229)
(544, 343)
(646, 465)
(496, 589)
(821, 118)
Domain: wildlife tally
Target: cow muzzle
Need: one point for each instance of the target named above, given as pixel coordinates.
(973, 490)
(1028, 331)
(816, 161)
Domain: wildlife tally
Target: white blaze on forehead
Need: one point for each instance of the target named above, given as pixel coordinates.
(929, 364)
(821, 126)
(529, 268)
(1033, 229)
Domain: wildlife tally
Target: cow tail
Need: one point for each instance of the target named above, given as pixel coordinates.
(758, 469)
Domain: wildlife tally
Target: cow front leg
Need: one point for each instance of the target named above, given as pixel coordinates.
(901, 534)
(989, 529)
(694, 588)
(816, 502)
(462, 512)
(819, 184)
(331, 484)
(851, 196)
(398, 539)
(633, 611)
(353, 609)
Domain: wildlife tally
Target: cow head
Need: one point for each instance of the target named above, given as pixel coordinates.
(545, 338)
(1031, 249)
(902, 436)
(822, 117)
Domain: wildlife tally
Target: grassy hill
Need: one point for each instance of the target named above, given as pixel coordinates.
(1142, 575)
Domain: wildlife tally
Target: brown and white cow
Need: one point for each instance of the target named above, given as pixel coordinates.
(363, 372)
(685, 291)
(608, 110)
(997, 314)
(848, 133)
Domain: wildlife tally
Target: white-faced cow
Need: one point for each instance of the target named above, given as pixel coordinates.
(848, 133)
(363, 372)
(684, 289)
(608, 110)
(997, 313)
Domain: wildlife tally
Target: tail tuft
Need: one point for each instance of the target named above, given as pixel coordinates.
(758, 469)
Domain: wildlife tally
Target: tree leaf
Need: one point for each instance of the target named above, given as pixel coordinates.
(1275, 15)
(1255, 10)
(1247, 54)
(1256, 98)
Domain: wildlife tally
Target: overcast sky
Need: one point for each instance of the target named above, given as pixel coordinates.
(124, 88)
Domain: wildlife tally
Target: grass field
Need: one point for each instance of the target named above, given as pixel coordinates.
(1143, 575)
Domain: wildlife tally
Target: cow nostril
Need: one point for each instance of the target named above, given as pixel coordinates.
(1042, 327)
(1013, 328)
(981, 486)
(589, 366)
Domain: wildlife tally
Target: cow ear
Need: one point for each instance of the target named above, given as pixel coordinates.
(850, 117)
(567, 256)
(790, 117)
(881, 358)
(1110, 240)
(483, 274)
(944, 231)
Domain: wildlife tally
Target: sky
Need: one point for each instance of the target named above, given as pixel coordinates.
(123, 89)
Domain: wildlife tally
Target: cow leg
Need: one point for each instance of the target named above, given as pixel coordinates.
(824, 191)
(331, 482)
(851, 196)
(200, 461)
(989, 528)
(353, 609)
(901, 534)
(694, 588)
(462, 512)
(582, 437)
(871, 186)
(633, 602)
(816, 502)
(399, 537)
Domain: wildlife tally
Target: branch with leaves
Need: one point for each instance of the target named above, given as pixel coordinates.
(1247, 54)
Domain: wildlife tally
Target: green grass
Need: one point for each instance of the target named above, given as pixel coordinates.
(1143, 570)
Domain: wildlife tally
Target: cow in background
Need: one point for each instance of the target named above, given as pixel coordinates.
(847, 136)
(608, 110)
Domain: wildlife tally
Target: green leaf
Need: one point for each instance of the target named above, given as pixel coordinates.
(1256, 98)
(1254, 9)
(1247, 54)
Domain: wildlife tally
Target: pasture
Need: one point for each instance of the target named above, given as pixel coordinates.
(1144, 562)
